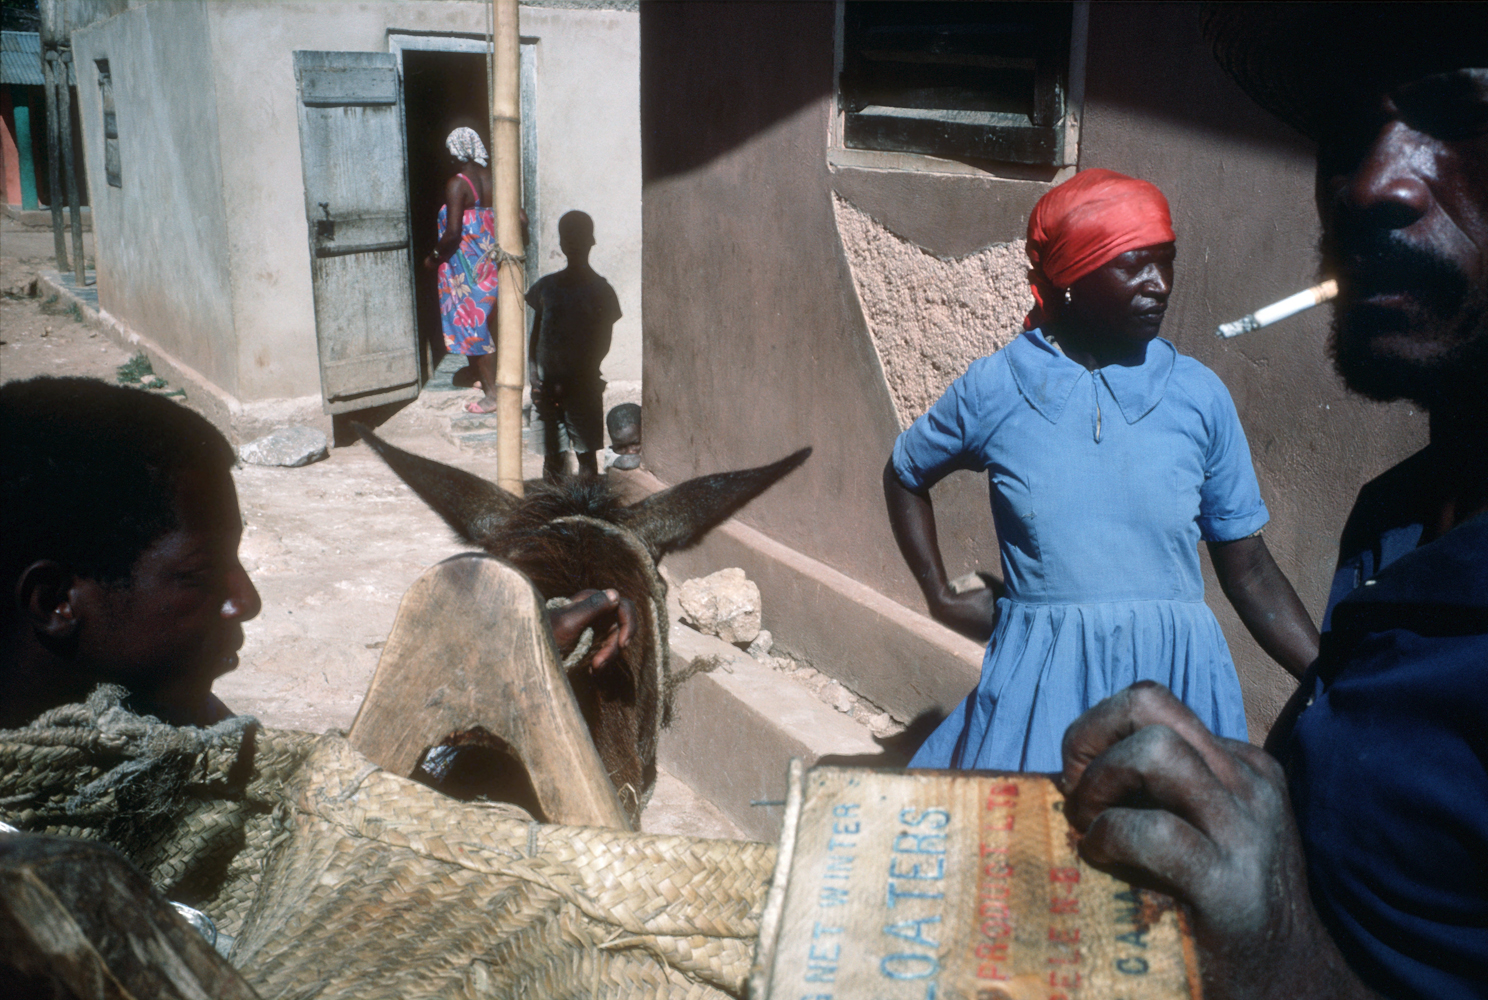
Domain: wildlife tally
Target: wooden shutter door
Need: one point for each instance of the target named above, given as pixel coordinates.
(356, 205)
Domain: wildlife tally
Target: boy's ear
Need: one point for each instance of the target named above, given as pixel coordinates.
(47, 598)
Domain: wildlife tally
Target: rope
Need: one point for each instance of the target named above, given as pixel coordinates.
(158, 754)
(516, 260)
(586, 638)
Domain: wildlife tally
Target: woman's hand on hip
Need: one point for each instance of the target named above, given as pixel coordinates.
(973, 613)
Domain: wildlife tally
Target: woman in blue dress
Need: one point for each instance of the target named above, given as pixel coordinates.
(1109, 456)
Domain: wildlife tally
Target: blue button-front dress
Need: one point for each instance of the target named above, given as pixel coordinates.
(1102, 484)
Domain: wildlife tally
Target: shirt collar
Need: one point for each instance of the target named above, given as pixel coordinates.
(1437, 590)
(1046, 377)
(1448, 571)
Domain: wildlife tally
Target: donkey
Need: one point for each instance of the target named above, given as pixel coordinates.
(576, 535)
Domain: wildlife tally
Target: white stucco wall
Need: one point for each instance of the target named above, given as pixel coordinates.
(163, 257)
(253, 53)
(589, 151)
(205, 249)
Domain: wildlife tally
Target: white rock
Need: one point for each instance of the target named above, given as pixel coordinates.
(966, 584)
(725, 604)
(760, 647)
(837, 696)
(288, 447)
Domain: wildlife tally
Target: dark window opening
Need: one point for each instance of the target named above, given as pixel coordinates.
(958, 79)
(110, 126)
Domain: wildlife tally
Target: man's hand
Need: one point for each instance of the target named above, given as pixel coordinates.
(612, 617)
(1162, 801)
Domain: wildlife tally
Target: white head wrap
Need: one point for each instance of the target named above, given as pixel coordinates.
(465, 145)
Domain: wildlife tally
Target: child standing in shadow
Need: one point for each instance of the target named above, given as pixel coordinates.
(574, 312)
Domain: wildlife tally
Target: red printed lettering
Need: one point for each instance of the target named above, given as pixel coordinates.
(996, 951)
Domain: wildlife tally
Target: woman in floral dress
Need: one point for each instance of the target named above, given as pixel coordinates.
(465, 259)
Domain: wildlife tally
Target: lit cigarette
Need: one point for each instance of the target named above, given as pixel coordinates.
(1289, 306)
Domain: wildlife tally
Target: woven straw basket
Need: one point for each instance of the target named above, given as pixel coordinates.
(337, 879)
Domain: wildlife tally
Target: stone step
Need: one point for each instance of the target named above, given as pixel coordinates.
(465, 422)
(735, 728)
(678, 810)
(483, 440)
(480, 441)
(444, 372)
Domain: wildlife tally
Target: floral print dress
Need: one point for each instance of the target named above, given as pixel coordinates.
(467, 281)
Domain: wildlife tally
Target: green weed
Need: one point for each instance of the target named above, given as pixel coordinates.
(136, 369)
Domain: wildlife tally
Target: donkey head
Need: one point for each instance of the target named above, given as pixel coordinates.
(578, 535)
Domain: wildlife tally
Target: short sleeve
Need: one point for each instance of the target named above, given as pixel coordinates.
(1230, 504)
(534, 294)
(942, 440)
(611, 304)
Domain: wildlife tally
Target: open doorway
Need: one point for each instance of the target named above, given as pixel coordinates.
(441, 92)
(444, 87)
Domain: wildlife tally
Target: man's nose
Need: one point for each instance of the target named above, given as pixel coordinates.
(242, 603)
(1386, 189)
(1157, 282)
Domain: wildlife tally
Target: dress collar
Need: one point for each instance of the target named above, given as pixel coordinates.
(1046, 377)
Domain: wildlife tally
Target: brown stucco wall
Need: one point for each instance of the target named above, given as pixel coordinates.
(756, 342)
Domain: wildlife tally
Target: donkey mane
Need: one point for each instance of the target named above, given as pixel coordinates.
(575, 496)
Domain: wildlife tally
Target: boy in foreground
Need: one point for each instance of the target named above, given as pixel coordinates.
(119, 557)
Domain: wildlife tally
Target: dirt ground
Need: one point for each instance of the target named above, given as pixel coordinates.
(331, 546)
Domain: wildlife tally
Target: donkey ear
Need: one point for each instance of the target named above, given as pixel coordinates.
(680, 516)
(476, 508)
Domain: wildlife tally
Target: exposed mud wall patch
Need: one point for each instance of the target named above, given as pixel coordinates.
(930, 316)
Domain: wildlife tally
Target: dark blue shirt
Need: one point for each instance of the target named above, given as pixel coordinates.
(1388, 765)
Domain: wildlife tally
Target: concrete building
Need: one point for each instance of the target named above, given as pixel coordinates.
(266, 175)
(825, 253)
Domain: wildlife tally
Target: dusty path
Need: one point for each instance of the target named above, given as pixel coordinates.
(331, 546)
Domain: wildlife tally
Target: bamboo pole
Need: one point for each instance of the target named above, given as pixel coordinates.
(506, 163)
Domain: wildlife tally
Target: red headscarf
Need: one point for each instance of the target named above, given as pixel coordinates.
(1085, 223)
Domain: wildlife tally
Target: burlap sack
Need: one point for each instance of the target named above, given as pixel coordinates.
(337, 879)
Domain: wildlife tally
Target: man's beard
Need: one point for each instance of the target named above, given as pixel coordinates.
(1452, 311)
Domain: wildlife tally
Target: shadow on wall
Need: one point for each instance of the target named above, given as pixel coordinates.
(1206, 100)
(774, 59)
(896, 750)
